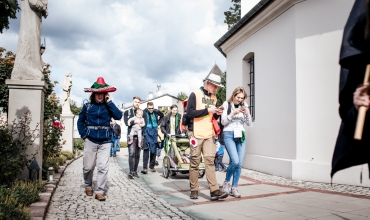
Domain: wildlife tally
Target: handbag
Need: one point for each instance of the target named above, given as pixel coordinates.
(216, 127)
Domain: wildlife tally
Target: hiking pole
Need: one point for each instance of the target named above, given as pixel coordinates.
(362, 110)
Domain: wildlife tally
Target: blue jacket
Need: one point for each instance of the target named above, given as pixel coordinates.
(220, 150)
(97, 115)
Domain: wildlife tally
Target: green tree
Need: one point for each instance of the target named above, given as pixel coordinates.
(74, 108)
(233, 15)
(182, 96)
(8, 10)
(221, 91)
(6, 68)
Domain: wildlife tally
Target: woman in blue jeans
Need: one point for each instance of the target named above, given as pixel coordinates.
(234, 117)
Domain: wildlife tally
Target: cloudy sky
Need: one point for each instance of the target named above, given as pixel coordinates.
(134, 44)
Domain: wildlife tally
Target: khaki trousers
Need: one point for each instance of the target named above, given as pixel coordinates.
(208, 148)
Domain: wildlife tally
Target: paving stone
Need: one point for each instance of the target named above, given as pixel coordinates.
(126, 199)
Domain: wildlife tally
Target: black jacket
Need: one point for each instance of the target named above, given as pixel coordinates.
(353, 60)
(166, 125)
(192, 113)
(126, 116)
(159, 116)
(117, 130)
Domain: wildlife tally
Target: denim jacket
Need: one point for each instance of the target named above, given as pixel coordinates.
(95, 115)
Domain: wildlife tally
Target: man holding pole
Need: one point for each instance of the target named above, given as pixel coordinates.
(352, 147)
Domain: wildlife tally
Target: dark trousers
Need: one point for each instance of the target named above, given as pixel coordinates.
(133, 155)
(148, 157)
(218, 161)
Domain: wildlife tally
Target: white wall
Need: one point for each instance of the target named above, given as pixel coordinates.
(318, 40)
(271, 141)
(296, 88)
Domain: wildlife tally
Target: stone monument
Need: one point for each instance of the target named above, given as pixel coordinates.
(67, 117)
(26, 86)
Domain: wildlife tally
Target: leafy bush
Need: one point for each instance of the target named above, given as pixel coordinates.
(61, 159)
(25, 192)
(78, 144)
(123, 144)
(68, 155)
(10, 208)
(51, 162)
(14, 142)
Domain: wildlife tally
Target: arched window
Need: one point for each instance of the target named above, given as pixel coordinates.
(249, 71)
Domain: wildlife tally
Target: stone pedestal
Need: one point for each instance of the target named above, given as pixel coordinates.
(28, 95)
(67, 135)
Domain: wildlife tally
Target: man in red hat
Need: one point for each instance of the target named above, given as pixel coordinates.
(94, 127)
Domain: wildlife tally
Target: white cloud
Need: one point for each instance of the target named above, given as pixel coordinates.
(134, 45)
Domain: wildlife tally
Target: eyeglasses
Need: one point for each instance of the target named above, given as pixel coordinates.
(150, 108)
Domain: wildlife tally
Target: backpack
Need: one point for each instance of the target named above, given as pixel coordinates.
(221, 135)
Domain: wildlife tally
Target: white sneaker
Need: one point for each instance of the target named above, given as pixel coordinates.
(226, 187)
(235, 192)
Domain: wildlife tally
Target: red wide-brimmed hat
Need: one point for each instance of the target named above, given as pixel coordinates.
(100, 86)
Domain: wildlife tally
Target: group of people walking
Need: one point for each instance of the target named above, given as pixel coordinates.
(148, 128)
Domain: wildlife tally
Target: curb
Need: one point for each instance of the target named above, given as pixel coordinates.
(38, 210)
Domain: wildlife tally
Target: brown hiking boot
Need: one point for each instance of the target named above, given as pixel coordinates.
(99, 197)
(194, 194)
(89, 191)
(216, 195)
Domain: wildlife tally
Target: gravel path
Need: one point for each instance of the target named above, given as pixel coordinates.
(126, 199)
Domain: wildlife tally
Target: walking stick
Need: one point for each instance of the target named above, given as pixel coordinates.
(362, 110)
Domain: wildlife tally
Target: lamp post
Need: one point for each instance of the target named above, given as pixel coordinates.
(50, 174)
(33, 170)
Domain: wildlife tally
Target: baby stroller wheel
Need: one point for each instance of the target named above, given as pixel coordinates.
(166, 167)
(201, 173)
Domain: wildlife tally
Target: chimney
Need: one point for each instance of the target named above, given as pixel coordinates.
(159, 92)
(150, 96)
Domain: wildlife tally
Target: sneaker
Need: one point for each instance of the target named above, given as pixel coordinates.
(224, 169)
(130, 176)
(144, 171)
(136, 175)
(216, 195)
(153, 170)
(156, 163)
(114, 155)
(111, 155)
(194, 194)
(216, 170)
(226, 187)
(235, 192)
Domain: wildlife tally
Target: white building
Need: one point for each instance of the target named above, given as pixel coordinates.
(286, 54)
(161, 101)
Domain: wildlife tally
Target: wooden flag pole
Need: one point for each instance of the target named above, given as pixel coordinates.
(362, 110)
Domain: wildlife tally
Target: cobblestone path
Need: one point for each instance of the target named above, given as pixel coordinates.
(126, 199)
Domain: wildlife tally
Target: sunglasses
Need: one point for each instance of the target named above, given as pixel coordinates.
(150, 108)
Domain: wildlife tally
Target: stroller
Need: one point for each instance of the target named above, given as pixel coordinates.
(177, 153)
(177, 157)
